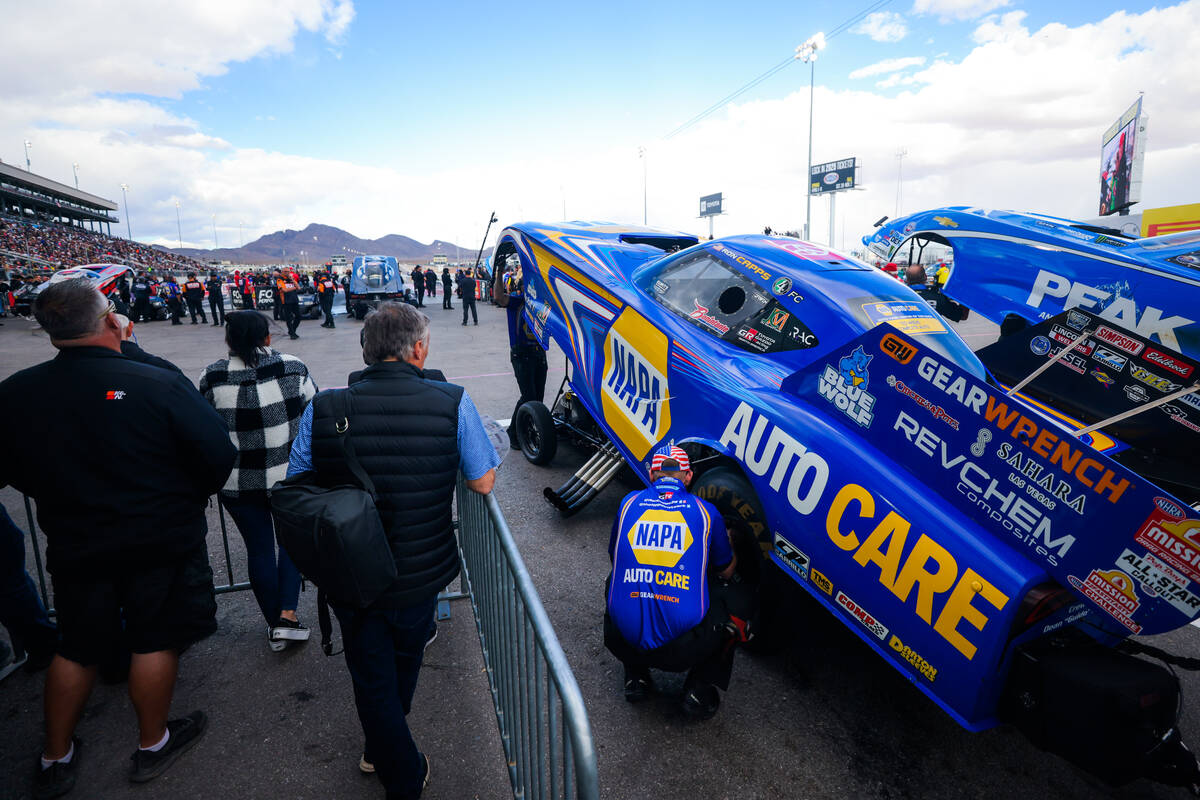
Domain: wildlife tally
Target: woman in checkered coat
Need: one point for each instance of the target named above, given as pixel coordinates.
(261, 394)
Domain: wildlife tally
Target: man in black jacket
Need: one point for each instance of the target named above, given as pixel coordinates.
(193, 293)
(216, 300)
(121, 458)
(467, 285)
(411, 435)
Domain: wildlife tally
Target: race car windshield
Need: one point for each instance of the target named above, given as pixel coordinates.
(374, 275)
(714, 297)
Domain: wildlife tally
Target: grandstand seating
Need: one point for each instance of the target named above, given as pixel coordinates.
(25, 243)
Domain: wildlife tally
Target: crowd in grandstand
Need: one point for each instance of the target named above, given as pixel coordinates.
(70, 245)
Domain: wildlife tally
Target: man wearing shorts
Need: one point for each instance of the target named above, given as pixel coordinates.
(121, 458)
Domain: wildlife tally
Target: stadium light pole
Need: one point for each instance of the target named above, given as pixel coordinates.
(214, 222)
(75, 169)
(178, 225)
(241, 234)
(125, 198)
(807, 53)
(900, 154)
(28, 144)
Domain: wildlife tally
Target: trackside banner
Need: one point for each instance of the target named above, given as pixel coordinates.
(1120, 542)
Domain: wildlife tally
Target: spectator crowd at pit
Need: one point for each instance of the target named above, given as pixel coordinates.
(69, 245)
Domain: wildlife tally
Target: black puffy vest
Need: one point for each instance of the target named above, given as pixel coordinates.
(404, 430)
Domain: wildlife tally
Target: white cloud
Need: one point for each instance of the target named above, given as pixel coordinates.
(882, 26)
(1015, 123)
(887, 66)
(957, 9)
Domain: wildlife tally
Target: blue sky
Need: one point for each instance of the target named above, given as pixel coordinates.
(418, 118)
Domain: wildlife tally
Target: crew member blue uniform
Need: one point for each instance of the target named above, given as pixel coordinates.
(662, 612)
(662, 544)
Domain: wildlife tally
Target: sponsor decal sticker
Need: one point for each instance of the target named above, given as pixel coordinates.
(1118, 340)
(1180, 416)
(1154, 381)
(937, 411)
(1137, 394)
(945, 222)
(776, 319)
(1040, 345)
(1170, 535)
(1103, 377)
(1168, 362)
(897, 348)
(1113, 591)
(1159, 580)
(1077, 320)
(781, 286)
(1070, 360)
(927, 670)
(790, 555)
(635, 396)
(1064, 336)
(702, 316)
(756, 339)
(859, 613)
(661, 287)
(846, 387)
(116, 394)
(906, 317)
(1109, 359)
(820, 581)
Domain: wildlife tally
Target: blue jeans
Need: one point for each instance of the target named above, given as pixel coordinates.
(275, 582)
(384, 649)
(21, 610)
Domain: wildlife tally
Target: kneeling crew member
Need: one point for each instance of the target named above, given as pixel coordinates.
(662, 611)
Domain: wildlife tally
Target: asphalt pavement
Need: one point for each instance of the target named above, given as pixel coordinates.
(822, 718)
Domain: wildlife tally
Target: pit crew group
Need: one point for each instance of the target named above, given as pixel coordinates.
(138, 553)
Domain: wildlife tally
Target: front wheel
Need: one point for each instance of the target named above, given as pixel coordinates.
(536, 433)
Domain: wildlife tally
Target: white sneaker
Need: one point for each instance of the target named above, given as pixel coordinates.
(276, 645)
(290, 630)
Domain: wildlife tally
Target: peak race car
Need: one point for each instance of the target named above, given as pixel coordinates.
(847, 434)
(373, 280)
(1019, 269)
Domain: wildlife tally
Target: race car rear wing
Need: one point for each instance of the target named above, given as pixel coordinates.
(1122, 543)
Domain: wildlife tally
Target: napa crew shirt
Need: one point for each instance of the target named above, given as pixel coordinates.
(664, 542)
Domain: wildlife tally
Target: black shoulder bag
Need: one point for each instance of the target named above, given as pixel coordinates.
(334, 534)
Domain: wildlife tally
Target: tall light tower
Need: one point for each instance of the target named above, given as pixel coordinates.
(75, 169)
(178, 225)
(807, 53)
(214, 222)
(900, 154)
(125, 198)
(28, 144)
(642, 156)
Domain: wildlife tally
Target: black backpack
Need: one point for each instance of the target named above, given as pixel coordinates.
(334, 534)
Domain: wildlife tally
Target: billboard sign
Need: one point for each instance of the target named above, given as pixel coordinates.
(1171, 219)
(710, 205)
(1122, 149)
(834, 176)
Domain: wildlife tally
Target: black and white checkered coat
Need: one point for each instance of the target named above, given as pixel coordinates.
(262, 407)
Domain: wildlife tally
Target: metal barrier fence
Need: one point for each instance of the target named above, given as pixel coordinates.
(543, 723)
(230, 584)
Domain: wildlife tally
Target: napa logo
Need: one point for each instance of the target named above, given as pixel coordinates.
(846, 387)
(660, 538)
(634, 391)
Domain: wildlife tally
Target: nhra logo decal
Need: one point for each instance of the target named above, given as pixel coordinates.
(1113, 591)
(660, 538)
(634, 393)
(846, 387)
(1172, 537)
(861, 614)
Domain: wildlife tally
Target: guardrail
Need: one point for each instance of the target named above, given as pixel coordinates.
(543, 723)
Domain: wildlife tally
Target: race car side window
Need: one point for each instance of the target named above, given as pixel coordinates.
(714, 297)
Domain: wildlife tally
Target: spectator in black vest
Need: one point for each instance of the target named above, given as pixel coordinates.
(412, 436)
(418, 279)
(121, 458)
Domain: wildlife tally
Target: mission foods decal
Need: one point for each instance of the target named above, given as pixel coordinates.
(1096, 526)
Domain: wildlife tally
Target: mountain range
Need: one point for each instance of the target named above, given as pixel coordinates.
(321, 242)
